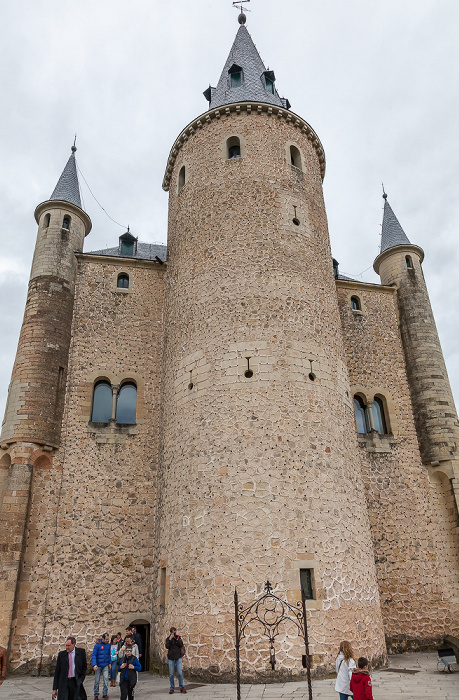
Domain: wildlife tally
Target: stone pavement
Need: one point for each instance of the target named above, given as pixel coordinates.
(387, 685)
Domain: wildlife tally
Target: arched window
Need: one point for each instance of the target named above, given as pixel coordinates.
(181, 177)
(102, 403)
(409, 262)
(123, 281)
(295, 157)
(361, 415)
(379, 418)
(355, 304)
(126, 404)
(233, 147)
(66, 222)
(47, 220)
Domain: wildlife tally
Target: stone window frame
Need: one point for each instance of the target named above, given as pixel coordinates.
(224, 147)
(314, 566)
(288, 154)
(181, 185)
(122, 290)
(116, 382)
(356, 312)
(65, 218)
(390, 416)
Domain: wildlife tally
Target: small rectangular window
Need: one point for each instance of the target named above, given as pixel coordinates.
(236, 79)
(127, 248)
(306, 583)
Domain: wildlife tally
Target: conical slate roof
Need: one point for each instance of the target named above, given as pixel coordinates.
(392, 232)
(243, 55)
(67, 189)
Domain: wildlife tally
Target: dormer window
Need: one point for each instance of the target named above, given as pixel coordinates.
(235, 76)
(269, 78)
(128, 245)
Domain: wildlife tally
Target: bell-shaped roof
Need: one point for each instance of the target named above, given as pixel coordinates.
(255, 82)
(392, 232)
(67, 188)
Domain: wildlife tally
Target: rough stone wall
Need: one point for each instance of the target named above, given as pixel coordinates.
(409, 534)
(88, 561)
(255, 471)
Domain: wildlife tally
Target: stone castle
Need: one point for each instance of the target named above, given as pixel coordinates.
(234, 411)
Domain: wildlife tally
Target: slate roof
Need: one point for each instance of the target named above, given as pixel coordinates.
(67, 188)
(392, 232)
(244, 54)
(145, 251)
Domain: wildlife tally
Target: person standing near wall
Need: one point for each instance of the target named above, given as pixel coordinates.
(101, 663)
(344, 665)
(174, 646)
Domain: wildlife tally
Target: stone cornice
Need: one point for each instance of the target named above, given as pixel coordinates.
(250, 108)
(354, 284)
(405, 248)
(60, 204)
(120, 261)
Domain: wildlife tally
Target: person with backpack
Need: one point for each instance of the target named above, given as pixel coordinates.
(344, 665)
(174, 646)
(128, 667)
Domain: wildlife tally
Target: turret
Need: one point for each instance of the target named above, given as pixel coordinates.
(36, 392)
(399, 265)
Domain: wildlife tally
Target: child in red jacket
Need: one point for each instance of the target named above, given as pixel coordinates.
(361, 681)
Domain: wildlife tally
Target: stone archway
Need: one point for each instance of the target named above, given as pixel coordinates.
(144, 630)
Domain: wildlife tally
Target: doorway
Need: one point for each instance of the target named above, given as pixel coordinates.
(143, 630)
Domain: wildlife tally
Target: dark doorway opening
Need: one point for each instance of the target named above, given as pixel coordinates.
(143, 630)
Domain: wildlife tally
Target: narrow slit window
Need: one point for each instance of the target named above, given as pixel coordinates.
(181, 178)
(409, 262)
(379, 418)
(295, 157)
(361, 415)
(355, 304)
(126, 404)
(102, 403)
(162, 587)
(47, 220)
(66, 222)
(123, 281)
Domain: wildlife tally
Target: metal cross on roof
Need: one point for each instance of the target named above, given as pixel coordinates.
(238, 5)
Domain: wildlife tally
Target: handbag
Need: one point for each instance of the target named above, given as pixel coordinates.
(182, 651)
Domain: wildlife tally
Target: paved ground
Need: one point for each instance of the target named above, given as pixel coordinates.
(387, 685)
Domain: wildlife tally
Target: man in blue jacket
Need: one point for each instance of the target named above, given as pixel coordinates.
(101, 663)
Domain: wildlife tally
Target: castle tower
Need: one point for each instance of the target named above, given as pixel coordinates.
(31, 427)
(260, 472)
(399, 265)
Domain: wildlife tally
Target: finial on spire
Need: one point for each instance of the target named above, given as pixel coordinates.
(74, 148)
(242, 19)
(383, 191)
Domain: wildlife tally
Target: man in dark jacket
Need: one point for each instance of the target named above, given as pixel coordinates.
(70, 672)
(101, 663)
(174, 646)
(2, 664)
(129, 665)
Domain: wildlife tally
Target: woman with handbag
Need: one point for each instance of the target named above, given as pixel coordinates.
(344, 665)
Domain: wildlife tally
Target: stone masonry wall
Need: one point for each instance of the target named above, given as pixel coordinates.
(255, 470)
(418, 604)
(89, 556)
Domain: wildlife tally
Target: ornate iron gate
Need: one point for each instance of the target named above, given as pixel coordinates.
(270, 611)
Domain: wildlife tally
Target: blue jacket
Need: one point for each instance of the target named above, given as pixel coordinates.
(128, 674)
(101, 656)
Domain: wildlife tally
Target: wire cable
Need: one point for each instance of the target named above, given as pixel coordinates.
(100, 205)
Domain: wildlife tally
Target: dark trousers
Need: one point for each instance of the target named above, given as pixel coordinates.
(73, 690)
(126, 690)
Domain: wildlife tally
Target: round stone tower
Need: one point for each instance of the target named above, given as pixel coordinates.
(399, 265)
(36, 392)
(260, 474)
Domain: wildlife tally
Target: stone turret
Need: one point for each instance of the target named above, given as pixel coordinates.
(36, 393)
(259, 449)
(32, 425)
(399, 265)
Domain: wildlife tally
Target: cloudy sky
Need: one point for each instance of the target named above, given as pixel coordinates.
(378, 81)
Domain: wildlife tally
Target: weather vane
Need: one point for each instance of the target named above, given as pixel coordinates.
(238, 4)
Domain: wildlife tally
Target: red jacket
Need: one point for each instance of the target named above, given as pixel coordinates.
(361, 685)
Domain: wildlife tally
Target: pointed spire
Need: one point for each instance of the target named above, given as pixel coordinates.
(244, 77)
(392, 232)
(67, 188)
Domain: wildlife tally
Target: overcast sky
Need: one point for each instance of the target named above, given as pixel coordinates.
(378, 81)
